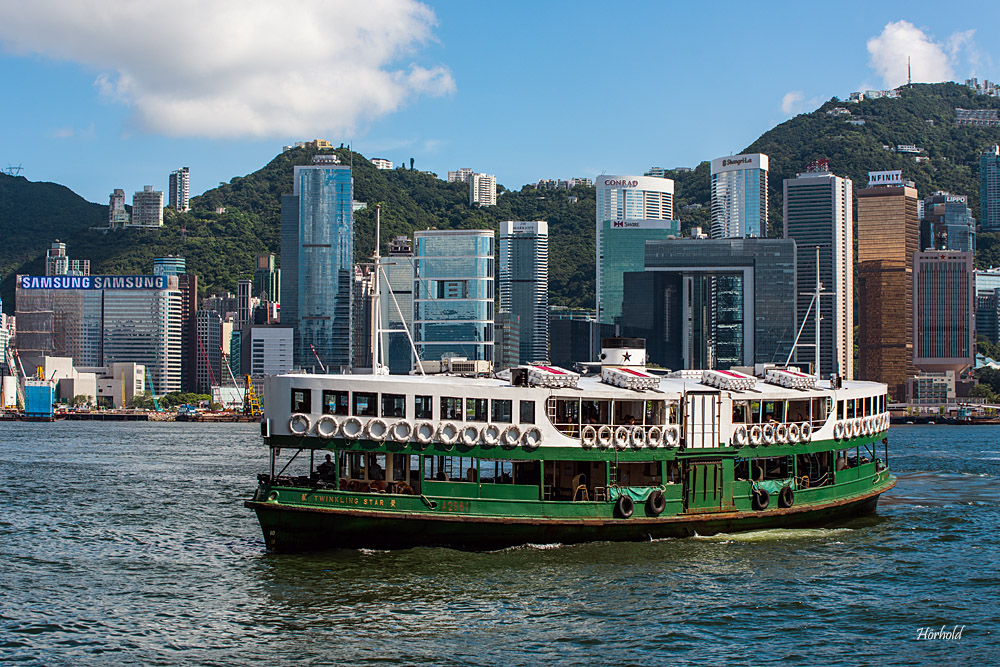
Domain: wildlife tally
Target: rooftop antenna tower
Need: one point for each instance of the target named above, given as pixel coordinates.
(908, 79)
(11, 170)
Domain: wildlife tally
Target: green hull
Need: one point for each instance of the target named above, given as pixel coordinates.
(304, 527)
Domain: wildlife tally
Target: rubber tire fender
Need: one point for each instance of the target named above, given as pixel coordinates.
(624, 506)
(786, 497)
(656, 503)
(761, 499)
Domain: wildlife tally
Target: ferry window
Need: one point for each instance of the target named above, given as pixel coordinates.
(527, 412)
(475, 409)
(673, 412)
(595, 412)
(423, 407)
(773, 411)
(355, 465)
(301, 400)
(798, 411)
(847, 458)
(850, 409)
(840, 409)
(654, 412)
(376, 466)
(639, 473)
(496, 471)
(567, 411)
(335, 402)
(451, 408)
(501, 411)
(450, 468)
(399, 467)
(777, 467)
(526, 472)
(754, 412)
(868, 405)
(365, 404)
(740, 412)
(393, 405)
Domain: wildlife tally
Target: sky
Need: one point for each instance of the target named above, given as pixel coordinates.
(105, 94)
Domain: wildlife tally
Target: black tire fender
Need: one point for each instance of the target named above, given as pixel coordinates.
(624, 507)
(761, 499)
(656, 503)
(786, 498)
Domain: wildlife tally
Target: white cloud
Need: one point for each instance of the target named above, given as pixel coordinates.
(792, 101)
(70, 132)
(929, 61)
(230, 68)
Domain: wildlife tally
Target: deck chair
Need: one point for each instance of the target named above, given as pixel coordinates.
(579, 487)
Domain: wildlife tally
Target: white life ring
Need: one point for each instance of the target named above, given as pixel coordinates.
(604, 435)
(588, 437)
(621, 437)
(326, 426)
(856, 427)
(671, 436)
(401, 431)
(805, 431)
(768, 432)
(447, 433)
(470, 435)
(424, 432)
(301, 421)
(793, 432)
(756, 435)
(531, 438)
(352, 428)
(740, 435)
(870, 424)
(376, 430)
(510, 437)
(637, 437)
(491, 435)
(781, 434)
(655, 437)
(838, 431)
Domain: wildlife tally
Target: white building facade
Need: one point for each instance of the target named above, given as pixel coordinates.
(483, 190)
(180, 189)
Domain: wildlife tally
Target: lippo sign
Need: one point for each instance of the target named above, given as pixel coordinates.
(885, 177)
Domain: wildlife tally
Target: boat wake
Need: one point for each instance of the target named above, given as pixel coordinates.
(774, 535)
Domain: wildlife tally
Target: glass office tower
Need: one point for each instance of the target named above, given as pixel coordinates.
(739, 196)
(453, 294)
(524, 284)
(317, 239)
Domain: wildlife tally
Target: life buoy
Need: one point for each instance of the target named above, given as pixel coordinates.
(740, 435)
(786, 497)
(376, 430)
(401, 431)
(671, 435)
(604, 435)
(491, 435)
(470, 436)
(424, 432)
(870, 425)
(756, 435)
(588, 437)
(624, 507)
(781, 434)
(793, 432)
(655, 437)
(637, 437)
(838, 431)
(326, 426)
(768, 434)
(761, 499)
(510, 437)
(805, 432)
(656, 503)
(856, 429)
(531, 439)
(447, 433)
(621, 437)
(299, 424)
(352, 428)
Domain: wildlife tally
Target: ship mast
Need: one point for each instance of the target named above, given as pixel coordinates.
(376, 295)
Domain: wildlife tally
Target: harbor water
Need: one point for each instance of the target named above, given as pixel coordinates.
(128, 544)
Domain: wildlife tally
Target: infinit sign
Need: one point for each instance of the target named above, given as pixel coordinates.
(92, 282)
(885, 177)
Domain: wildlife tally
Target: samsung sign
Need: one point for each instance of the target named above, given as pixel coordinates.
(885, 177)
(92, 282)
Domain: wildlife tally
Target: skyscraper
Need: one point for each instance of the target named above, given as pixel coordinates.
(180, 189)
(739, 196)
(819, 213)
(453, 294)
(397, 305)
(147, 208)
(944, 311)
(524, 284)
(888, 236)
(948, 223)
(989, 188)
(267, 279)
(483, 189)
(630, 211)
(317, 258)
(187, 283)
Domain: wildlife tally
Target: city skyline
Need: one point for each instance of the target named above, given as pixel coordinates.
(88, 116)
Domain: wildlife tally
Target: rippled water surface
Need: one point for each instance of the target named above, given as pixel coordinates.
(129, 544)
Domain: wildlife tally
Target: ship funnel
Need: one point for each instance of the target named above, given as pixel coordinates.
(623, 353)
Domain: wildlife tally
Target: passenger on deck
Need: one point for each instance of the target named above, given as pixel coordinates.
(375, 471)
(326, 469)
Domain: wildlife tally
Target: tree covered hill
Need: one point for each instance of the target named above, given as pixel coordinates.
(221, 247)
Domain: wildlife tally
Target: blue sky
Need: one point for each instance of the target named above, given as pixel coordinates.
(101, 95)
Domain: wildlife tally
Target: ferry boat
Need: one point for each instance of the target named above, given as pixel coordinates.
(540, 454)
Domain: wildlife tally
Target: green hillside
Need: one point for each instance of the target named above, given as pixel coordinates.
(220, 247)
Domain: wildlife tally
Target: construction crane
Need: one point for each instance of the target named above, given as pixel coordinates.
(318, 361)
(251, 403)
(13, 363)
